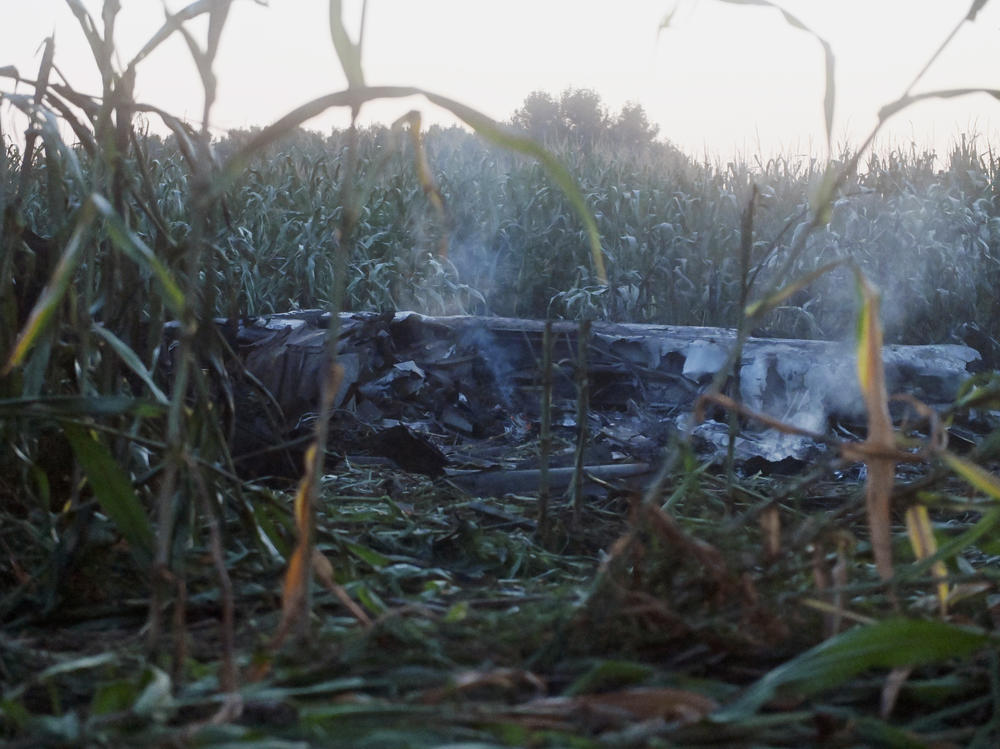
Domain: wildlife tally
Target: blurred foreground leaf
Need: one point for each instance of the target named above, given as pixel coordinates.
(978, 477)
(63, 406)
(52, 295)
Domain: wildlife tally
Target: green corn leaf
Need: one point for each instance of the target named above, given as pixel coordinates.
(979, 391)
(140, 252)
(610, 673)
(494, 132)
(112, 489)
(131, 360)
(889, 644)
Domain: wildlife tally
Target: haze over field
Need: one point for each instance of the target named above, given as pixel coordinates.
(721, 79)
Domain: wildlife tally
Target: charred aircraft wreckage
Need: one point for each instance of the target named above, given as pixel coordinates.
(460, 397)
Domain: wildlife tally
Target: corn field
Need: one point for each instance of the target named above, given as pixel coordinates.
(923, 227)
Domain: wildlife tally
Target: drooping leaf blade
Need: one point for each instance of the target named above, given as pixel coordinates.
(129, 243)
(905, 101)
(172, 24)
(829, 61)
(89, 28)
(131, 360)
(495, 133)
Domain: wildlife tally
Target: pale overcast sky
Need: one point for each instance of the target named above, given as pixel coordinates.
(722, 78)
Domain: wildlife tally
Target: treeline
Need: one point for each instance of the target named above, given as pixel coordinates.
(579, 117)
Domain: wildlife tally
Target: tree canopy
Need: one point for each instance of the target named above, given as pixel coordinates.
(580, 117)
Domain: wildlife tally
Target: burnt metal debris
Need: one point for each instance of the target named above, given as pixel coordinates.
(460, 396)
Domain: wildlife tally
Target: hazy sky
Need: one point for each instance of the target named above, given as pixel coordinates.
(722, 78)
